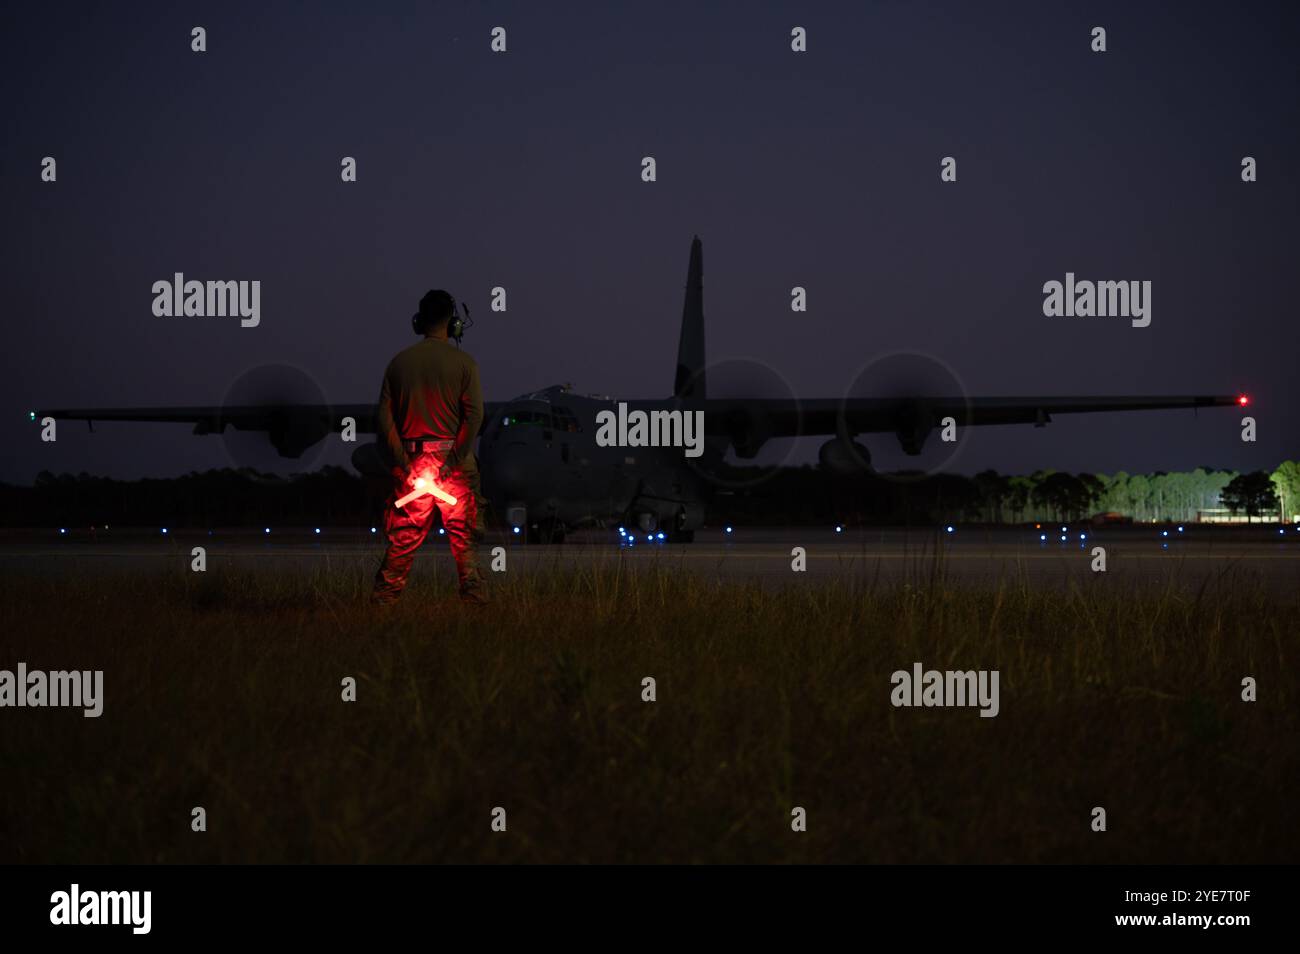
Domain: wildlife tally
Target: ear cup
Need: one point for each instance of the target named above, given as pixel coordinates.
(416, 324)
(456, 327)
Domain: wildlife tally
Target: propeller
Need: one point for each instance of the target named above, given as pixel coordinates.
(294, 442)
(904, 379)
(745, 455)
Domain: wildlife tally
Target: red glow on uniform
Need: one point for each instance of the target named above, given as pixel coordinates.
(424, 485)
(1243, 400)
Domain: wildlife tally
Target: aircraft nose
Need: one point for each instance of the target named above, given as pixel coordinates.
(515, 471)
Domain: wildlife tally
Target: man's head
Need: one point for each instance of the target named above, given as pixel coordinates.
(436, 309)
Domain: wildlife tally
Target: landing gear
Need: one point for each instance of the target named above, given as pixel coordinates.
(545, 531)
(677, 532)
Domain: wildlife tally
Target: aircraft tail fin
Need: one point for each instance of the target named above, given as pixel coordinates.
(689, 381)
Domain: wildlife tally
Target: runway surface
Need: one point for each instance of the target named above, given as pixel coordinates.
(975, 556)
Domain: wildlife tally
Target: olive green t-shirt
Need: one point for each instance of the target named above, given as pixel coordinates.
(431, 390)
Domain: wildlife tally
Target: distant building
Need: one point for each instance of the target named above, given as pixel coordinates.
(1224, 515)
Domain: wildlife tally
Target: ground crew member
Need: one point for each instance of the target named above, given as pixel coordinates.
(430, 410)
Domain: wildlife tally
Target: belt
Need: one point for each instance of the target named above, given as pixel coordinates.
(420, 445)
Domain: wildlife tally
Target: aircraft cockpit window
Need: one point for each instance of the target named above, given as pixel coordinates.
(565, 420)
(526, 418)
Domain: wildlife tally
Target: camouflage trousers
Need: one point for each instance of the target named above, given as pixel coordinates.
(406, 529)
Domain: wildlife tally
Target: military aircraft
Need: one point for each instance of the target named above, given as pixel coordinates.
(546, 472)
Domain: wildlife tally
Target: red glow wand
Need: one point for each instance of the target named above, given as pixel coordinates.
(422, 487)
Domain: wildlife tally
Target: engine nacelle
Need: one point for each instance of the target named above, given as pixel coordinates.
(913, 423)
(746, 429)
(291, 431)
(844, 457)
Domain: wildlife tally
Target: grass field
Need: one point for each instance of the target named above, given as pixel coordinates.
(223, 690)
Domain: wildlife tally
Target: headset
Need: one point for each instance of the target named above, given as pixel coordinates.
(455, 327)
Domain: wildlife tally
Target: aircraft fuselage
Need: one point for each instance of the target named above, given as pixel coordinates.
(542, 464)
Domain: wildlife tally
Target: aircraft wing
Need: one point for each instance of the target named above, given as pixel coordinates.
(253, 417)
(214, 420)
(867, 415)
(749, 423)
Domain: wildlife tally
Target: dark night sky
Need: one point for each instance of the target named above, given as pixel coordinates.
(523, 170)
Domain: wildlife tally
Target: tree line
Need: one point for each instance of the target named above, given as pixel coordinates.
(790, 495)
(1177, 496)
(810, 495)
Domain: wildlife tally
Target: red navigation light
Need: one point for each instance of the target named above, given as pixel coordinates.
(1243, 400)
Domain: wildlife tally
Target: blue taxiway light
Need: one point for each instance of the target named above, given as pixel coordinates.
(1180, 529)
(661, 534)
(63, 529)
(728, 529)
(950, 528)
(441, 531)
(839, 529)
(1062, 536)
(1164, 533)
(164, 529)
(1083, 536)
(515, 529)
(318, 529)
(266, 530)
(1042, 536)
